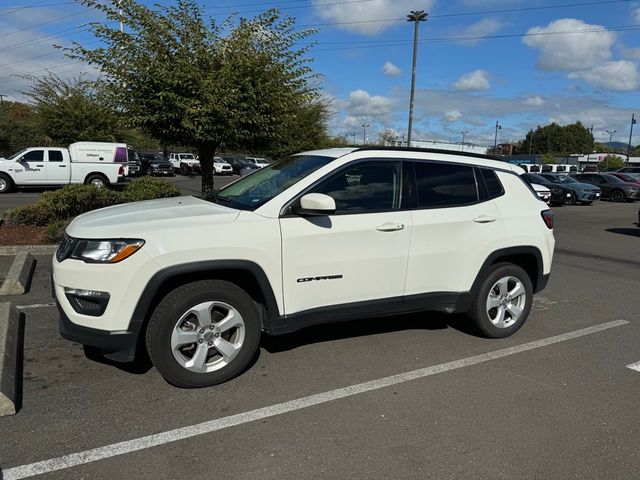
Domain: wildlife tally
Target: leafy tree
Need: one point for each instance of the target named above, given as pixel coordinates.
(18, 128)
(184, 79)
(549, 159)
(610, 161)
(387, 137)
(558, 140)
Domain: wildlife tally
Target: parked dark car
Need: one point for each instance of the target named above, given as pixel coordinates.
(559, 194)
(135, 167)
(583, 193)
(154, 164)
(629, 170)
(625, 177)
(240, 163)
(612, 187)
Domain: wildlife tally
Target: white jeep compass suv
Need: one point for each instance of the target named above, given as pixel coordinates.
(319, 237)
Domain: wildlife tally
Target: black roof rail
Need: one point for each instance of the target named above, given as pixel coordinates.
(433, 150)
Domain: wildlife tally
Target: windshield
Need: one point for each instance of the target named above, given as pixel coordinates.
(535, 178)
(568, 180)
(187, 156)
(16, 155)
(256, 189)
(612, 178)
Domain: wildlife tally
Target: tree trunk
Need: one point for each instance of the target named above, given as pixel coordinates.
(205, 154)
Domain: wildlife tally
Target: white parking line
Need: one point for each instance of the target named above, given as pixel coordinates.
(108, 451)
(634, 366)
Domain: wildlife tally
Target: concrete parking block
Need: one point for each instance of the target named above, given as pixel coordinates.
(19, 277)
(11, 341)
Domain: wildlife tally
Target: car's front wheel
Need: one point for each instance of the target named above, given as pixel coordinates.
(503, 302)
(617, 196)
(571, 199)
(203, 333)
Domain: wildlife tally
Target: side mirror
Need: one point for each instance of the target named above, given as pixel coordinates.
(315, 205)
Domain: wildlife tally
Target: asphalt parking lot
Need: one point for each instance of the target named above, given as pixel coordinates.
(414, 396)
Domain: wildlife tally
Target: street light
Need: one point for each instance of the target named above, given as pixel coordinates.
(495, 138)
(364, 132)
(415, 16)
(463, 132)
(633, 122)
(610, 132)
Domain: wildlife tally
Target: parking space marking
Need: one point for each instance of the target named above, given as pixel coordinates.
(634, 366)
(142, 443)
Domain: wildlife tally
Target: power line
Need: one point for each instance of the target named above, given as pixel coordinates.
(40, 39)
(33, 5)
(34, 27)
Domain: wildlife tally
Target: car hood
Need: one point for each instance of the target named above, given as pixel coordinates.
(140, 219)
(539, 188)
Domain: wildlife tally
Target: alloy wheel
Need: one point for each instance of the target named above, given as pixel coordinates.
(506, 302)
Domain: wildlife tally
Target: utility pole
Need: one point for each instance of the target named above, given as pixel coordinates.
(415, 16)
(364, 133)
(633, 122)
(610, 132)
(120, 12)
(463, 132)
(495, 138)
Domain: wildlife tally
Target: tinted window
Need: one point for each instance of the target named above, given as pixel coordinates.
(560, 168)
(445, 185)
(55, 156)
(491, 182)
(34, 156)
(547, 168)
(534, 168)
(606, 178)
(365, 187)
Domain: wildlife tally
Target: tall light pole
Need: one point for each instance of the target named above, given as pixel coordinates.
(415, 16)
(633, 122)
(610, 132)
(463, 132)
(495, 138)
(364, 132)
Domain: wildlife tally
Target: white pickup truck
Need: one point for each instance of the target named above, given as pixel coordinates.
(99, 164)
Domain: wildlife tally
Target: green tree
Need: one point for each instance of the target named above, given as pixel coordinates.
(19, 128)
(184, 79)
(387, 137)
(610, 161)
(558, 140)
(70, 111)
(549, 159)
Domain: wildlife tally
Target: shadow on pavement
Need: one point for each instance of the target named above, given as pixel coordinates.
(365, 327)
(140, 365)
(632, 232)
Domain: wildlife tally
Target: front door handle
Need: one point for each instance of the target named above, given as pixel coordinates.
(41, 166)
(62, 166)
(484, 219)
(390, 227)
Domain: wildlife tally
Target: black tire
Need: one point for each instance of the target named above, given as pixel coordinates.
(97, 180)
(585, 203)
(617, 196)
(174, 306)
(184, 169)
(6, 184)
(479, 312)
(571, 200)
(149, 172)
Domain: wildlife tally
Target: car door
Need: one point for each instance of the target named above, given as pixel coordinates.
(30, 169)
(456, 226)
(601, 182)
(57, 169)
(358, 254)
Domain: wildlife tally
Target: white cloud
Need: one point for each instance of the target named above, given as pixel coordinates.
(636, 15)
(361, 107)
(363, 15)
(390, 70)
(452, 115)
(476, 80)
(484, 27)
(564, 51)
(620, 76)
(533, 101)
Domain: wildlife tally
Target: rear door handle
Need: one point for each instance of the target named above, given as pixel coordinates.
(484, 219)
(390, 227)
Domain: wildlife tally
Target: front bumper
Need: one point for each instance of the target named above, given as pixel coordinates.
(587, 195)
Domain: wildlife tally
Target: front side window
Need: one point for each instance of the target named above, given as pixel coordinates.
(34, 156)
(372, 186)
(445, 185)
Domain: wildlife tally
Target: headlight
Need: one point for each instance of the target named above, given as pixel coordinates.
(105, 251)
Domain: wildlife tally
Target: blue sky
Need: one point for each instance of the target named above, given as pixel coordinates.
(521, 63)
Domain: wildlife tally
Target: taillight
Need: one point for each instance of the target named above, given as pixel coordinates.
(121, 171)
(547, 217)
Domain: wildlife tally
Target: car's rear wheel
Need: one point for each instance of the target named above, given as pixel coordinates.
(203, 333)
(617, 196)
(503, 301)
(97, 180)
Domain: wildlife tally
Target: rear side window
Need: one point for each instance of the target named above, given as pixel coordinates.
(445, 185)
(489, 184)
(55, 156)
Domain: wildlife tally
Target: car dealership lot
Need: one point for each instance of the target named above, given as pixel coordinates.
(561, 410)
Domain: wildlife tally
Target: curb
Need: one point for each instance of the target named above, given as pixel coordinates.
(19, 276)
(11, 345)
(32, 249)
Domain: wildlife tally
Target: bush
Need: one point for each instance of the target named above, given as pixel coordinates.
(54, 232)
(58, 207)
(549, 159)
(610, 162)
(63, 204)
(148, 188)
